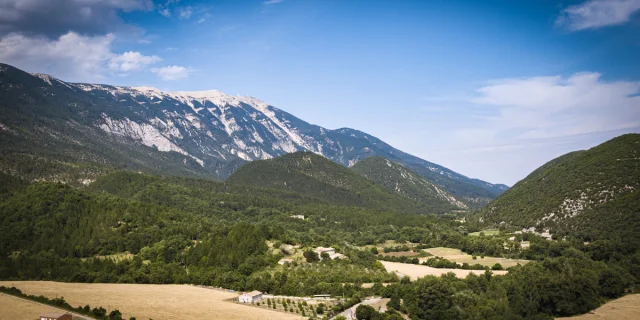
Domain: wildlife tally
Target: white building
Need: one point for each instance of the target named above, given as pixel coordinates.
(330, 251)
(249, 297)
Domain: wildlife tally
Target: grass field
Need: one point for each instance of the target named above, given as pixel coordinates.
(490, 232)
(625, 308)
(417, 271)
(456, 255)
(148, 301)
(14, 308)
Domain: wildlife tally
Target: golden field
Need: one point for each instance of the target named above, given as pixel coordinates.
(146, 301)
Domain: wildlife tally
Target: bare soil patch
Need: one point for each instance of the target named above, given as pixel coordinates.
(151, 301)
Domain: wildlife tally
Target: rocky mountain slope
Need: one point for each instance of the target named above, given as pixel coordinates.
(400, 180)
(589, 193)
(44, 119)
(315, 176)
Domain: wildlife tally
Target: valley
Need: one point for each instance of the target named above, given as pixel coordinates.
(146, 201)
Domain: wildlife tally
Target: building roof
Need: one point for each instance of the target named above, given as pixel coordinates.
(253, 293)
(52, 315)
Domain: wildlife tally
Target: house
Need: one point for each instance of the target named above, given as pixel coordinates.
(330, 251)
(298, 216)
(250, 297)
(55, 316)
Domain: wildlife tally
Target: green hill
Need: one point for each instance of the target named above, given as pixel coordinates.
(395, 178)
(591, 194)
(315, 176)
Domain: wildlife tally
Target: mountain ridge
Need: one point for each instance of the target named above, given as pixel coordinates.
(207, 131)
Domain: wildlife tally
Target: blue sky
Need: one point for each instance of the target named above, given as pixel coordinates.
(491, 89)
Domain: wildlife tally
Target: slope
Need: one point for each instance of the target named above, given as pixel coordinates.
(316, 176)
(592, 193)
(395, 178)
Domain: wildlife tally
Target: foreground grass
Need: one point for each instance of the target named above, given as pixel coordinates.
(15, 308)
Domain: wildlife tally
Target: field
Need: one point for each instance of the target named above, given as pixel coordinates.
(456, 255)
(14, 308)
(491, 232)
(625, 308)
(417, 271)
(148, 301)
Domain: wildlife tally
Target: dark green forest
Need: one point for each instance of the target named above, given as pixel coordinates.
(188, 230)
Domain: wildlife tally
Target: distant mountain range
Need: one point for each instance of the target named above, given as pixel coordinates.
(593, 194)
(53, 126)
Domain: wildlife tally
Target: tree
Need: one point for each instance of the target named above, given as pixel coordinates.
(394, 303)
(311, 256)
(365, 312)
(496, 266)
(374, 250)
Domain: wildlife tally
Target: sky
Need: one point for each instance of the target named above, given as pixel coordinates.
(490, 89)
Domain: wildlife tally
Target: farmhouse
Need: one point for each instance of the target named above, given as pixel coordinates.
(249, 297)
(55, 316)
(330, 251)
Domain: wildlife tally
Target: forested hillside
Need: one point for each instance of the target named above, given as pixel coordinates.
(591, 194)
(397, 179)
(315, 176)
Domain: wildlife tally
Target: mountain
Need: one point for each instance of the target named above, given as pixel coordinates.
(400, 180)
(592, 194)
(56, 125)
(312, 175)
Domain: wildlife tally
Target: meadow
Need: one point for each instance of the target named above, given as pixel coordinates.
(141, 300)
(415, 271)
(460, 257)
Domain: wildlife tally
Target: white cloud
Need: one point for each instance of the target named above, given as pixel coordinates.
(185, 13)
(72, 57)
(165, 12)
(171, 72)
(544, 107)
(594, 14)
(204, 18)
(131, 61)
(270, 2)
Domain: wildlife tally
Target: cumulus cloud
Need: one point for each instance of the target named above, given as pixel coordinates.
(169, 73)
(554, 106)
(72, 57)
(55, 18)
(131, 61)
(594, 14)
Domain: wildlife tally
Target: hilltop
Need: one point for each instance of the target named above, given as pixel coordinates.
(315, 176)
(592, 193)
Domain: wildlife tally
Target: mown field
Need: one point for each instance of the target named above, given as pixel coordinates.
(415, 271)
(625, 308)
(144, 301)
(14, 308)
(457, 255)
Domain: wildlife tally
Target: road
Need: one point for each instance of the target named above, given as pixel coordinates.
(350, 313)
